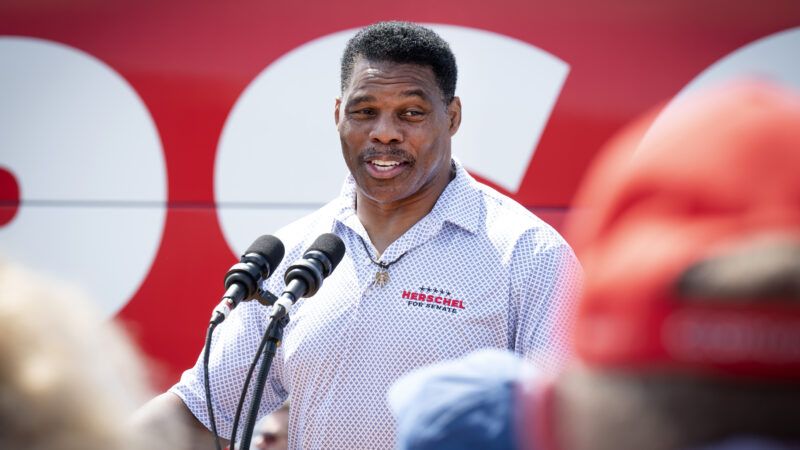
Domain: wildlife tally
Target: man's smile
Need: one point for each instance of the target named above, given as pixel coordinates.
(385, 168)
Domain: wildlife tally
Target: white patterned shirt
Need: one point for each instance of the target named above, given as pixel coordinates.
(478, 271)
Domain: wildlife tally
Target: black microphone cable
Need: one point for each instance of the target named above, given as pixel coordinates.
(303, 279)
(241, 283)
(245, 387)
(209, 406)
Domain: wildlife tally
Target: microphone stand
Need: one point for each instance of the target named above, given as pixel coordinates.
(273, 336)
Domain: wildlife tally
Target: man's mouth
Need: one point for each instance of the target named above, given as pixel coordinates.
(384, 165)
(385, 168)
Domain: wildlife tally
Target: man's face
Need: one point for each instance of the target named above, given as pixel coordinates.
(395, 130)
(273, 434)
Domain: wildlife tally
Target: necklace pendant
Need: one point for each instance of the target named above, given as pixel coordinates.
(381, 277)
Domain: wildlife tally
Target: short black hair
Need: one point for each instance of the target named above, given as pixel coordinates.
(404, 43)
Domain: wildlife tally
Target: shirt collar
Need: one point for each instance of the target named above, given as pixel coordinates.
(459, 204)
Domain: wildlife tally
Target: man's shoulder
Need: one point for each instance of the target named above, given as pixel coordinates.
(297, 235)
(508, 220)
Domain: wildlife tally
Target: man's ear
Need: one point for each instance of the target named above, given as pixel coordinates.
(454, 113)
(336, 108)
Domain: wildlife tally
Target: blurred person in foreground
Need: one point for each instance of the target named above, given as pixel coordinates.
(688, 333)
(272, 432)
(69, 378)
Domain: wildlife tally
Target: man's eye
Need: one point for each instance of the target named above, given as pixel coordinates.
(364, 112)
(413, 114)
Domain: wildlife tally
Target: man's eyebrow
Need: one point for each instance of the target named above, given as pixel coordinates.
(360, 99)
(371, 98)
(415, 93)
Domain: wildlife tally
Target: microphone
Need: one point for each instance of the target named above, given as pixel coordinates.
(304, 277)
(244, 277)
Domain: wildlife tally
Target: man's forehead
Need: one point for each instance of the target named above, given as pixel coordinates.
(412, 79)
(362, 63)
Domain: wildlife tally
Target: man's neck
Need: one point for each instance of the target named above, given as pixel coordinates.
(386, 222)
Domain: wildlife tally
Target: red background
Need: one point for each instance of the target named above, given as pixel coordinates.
(190, 61)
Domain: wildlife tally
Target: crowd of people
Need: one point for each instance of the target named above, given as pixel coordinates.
(685, 335)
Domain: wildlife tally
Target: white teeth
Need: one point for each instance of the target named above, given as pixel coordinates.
(384, 165)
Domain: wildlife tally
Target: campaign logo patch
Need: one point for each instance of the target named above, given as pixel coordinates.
(433, 298)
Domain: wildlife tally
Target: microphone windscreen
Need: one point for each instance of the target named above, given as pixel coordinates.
(270, 248)
(332, 246)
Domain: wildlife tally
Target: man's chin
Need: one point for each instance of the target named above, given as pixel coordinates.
(383, 195)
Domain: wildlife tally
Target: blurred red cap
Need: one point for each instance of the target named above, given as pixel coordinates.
(712, 170)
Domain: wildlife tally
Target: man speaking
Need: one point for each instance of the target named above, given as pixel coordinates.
(437, 265)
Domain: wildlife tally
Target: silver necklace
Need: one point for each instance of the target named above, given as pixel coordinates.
(382, 275)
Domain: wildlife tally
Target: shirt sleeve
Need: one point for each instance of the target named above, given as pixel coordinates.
(546, 284)
(233, 347)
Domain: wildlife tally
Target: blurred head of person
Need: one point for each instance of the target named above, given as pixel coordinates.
(459, 404)
(688, 333)
(69, 378)
(273, 431)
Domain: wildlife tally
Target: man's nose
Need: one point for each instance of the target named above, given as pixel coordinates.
(386, 130)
